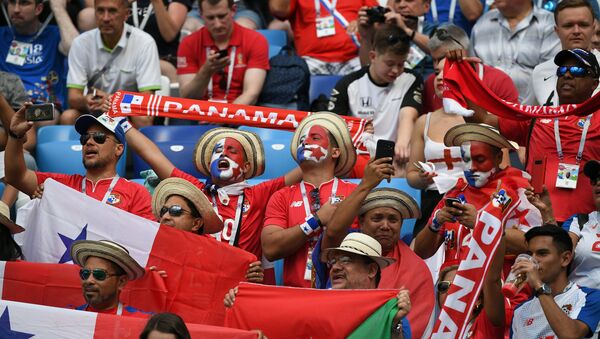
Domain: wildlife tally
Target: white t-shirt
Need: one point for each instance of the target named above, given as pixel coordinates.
(585, 268)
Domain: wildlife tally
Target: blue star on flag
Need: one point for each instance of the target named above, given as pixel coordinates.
(66, 257)
(7, 332)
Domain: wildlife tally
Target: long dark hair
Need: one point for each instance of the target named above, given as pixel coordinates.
(166, 323)
(9, 249)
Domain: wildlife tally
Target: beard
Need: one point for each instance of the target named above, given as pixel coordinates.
(94, 164)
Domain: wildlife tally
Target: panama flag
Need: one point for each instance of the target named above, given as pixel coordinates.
(24, 321)
(286, 312)
(200, 269)
(129, 100)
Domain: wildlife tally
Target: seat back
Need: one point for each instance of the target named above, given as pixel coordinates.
(65, 157)
(56, 133)
(275, 37)
(322, 84)
(278, 159)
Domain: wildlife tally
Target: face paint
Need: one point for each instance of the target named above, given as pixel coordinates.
(227, 160)
(480, 164)
(314, 145)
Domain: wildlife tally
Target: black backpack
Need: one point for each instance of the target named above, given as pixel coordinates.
(287, 81)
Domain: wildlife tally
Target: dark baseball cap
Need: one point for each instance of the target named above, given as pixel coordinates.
(583, 57)
(592, 170)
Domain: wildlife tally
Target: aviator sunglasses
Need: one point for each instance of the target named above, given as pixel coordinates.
(98, 273)
(174, 211)
(99, 137)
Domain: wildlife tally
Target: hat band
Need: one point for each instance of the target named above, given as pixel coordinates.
(360, 250)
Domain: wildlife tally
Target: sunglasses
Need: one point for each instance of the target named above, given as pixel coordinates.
(444, 286)
(98, 273)
(443, 35)
(99, 137)
(576, 71)
(174, 211)
(343, 260)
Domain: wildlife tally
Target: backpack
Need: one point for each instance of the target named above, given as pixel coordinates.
(287, 81)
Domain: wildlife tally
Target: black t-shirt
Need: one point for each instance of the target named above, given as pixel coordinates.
(164, 48)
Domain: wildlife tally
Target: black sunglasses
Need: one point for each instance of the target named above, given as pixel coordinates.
(443, 286)
(315, 205)
(98, 273)
(99, 137)
(174, 211)
(443, 35)
(576, 71)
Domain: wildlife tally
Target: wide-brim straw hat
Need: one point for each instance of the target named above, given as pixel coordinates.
(5, 219)
(83, 249)
(406, 205)
(184, 188)
(362, 244)
(253, 147)
(338, 129)
(460, 134)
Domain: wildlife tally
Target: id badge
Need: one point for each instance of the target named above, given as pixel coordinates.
(17, 53)
(415, 56)
(309, 265)
(325, 26)
(567, 175)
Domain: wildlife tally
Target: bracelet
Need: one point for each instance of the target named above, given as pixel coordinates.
(412, 35)
(13, 135)
(310, 225)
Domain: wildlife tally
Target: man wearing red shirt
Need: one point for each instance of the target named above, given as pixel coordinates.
(295, 215)
(325, 36)
(222, 61)
(102, 141)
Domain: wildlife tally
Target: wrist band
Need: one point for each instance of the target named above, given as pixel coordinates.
(14, 136)
(125, 125)
(310, 225)
(412, 35)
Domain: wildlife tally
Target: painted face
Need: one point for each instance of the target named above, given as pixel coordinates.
(383, 224)
(104, 294)
(314, 145)
(480, 162)
(227, 161)
(350, 271)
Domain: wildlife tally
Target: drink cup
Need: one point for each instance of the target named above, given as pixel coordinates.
(515, 282)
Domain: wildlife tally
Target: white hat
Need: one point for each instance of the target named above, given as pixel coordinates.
(362, 244)
(111, 251)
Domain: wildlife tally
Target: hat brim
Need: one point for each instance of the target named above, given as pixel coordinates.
(382, 262)
(592, 169)
(12, 226)
(406, 205)
(83, 123)
(83, 249)
(460, 134)
(338, 128)
(253, 148)
(184, 188)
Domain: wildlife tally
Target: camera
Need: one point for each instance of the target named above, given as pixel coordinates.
(376, 14)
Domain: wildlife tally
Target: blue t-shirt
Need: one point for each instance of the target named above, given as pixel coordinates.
(44, 73)
(443, 11)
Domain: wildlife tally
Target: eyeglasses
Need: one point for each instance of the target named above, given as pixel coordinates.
(99, 137)
(343, 260)
(443, 286)
(576, 71)
(98, 273)
(315, 204)
(174, 210)
(443, 35)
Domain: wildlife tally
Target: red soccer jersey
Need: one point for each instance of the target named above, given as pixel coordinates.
(336, 48)
(542, 143)
(286, 210)
(246, 237)
(251, 51)
(126, 195)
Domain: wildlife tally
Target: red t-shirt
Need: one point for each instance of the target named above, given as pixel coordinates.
(128, 311)
(484, 329)
(286, 210)
(251, 51)
(542, 143)
(126, 195)
(253, 212)
(335, 48)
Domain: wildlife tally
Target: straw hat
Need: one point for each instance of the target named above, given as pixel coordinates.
(338, 129)
(393, 198)
(5, 219)
(253, 147)
(111, 251)
(460, 134)
(184, 188)
(362, 244)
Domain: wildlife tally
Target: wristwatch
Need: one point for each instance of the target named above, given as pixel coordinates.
(544, 289)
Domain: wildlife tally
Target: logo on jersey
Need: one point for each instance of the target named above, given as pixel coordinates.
(296, 203)
(545, 121)
(449, 239)
(365, 101)
(567, 308)
(245, 207)
(529, 322)
(581, 123)
(114, 199)
(501, 199)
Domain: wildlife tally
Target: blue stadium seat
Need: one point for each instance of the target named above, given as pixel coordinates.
(274, 50)
(56, 133)
(322, 84)
(2, 187)
(275, 37)
(65, 157)
(175, 133)
(278, 159)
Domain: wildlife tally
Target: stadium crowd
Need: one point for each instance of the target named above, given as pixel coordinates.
(472, 188)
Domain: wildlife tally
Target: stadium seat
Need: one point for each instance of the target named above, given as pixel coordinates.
(274, 50)
(274, 36)
(278, 159)
(165, 86)
(65, 157)
(175, 133)
(322, 84)
(56, 133)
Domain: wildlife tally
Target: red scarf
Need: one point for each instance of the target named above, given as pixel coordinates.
(461, 83)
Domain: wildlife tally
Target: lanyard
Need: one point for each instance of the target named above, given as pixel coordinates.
(586, 126)
(113, 183)
(330, 7)
(136, 20)
(236, 223)
(120, 309)
(451, 11)
(305, 199)
(229, 73)
(337, 15)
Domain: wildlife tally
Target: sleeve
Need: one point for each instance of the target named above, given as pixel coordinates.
(514, 130)
(78, 64)
(65, 179)
(414, 94)
(269, 187)
(277, 210)
(338, 101)
(590, 313)
(500, 83)
(188, 58)
(142, 202)
(177, 173)
(572, 225)
(370, 3)
(259, 52)
(148, 66)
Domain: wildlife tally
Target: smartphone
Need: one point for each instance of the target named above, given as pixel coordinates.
(538, 174)
(222, 53)
(449, 201)
(40, 112)
(385, 149)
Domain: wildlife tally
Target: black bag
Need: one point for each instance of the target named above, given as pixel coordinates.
(287, 81)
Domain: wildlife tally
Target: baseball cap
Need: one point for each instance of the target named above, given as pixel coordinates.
(583, 57)
(84, 122)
